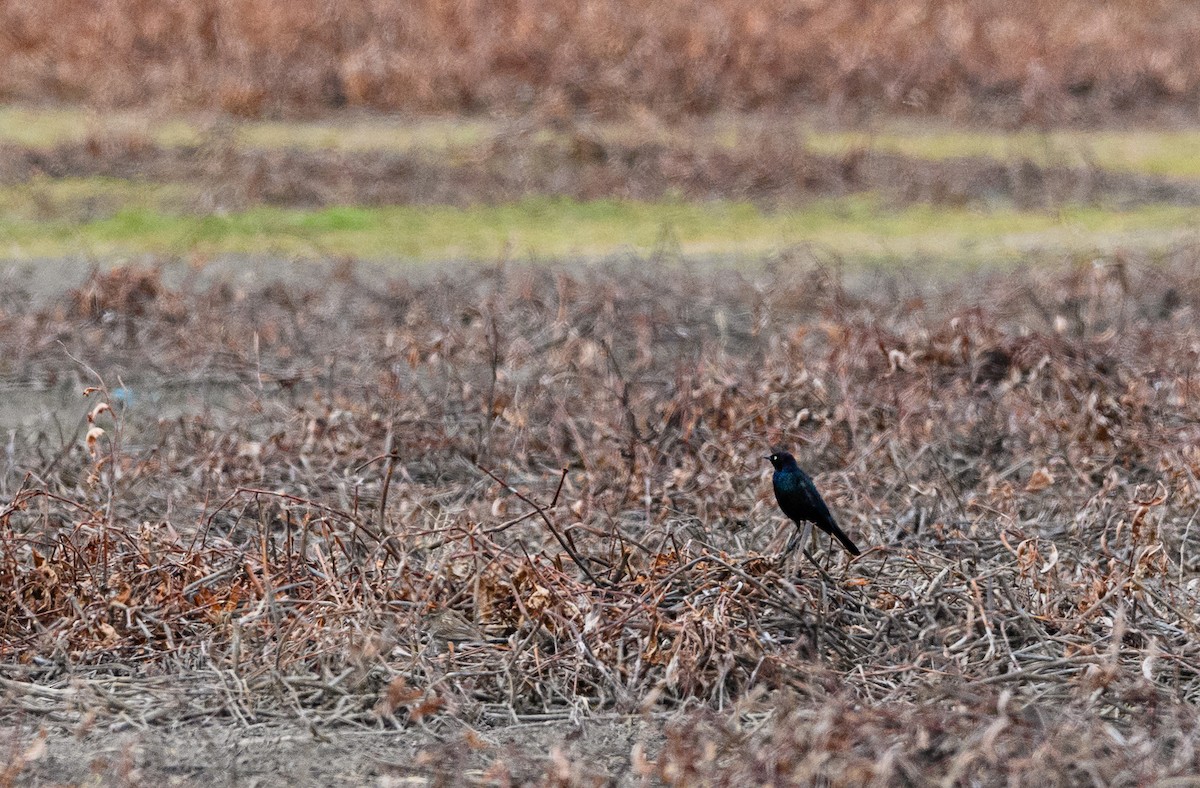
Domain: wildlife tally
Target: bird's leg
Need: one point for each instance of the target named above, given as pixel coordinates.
(799, 538)
(793, 543)
(819, 568)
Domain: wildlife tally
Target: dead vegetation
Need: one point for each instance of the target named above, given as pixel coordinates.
(770, 167)
(1015, 62)
(525, 493)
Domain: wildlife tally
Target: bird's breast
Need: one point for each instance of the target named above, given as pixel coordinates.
(786, 482)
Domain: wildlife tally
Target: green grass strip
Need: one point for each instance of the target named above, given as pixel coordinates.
(856, 228)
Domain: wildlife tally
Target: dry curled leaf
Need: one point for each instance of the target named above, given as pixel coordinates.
(397, 694)
(93, 440)
(1039, 480)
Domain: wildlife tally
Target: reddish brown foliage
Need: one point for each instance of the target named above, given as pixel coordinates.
(1017, 453)
(1020, 60)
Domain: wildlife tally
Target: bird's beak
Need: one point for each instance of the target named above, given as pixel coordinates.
(767, 457)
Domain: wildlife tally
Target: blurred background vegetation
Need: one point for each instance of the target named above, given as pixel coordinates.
(938, 132)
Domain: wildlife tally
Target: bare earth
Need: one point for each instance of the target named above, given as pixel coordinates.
(287, 755)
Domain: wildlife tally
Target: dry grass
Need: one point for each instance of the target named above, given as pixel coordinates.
(522, 493)
(978, 738)
(1017, 62)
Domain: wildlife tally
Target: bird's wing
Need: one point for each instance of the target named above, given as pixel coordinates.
(822, 516)
(806, 503)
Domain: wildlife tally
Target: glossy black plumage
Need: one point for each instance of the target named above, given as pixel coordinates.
(800, 501)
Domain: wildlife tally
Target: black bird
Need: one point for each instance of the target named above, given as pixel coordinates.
(800, 501)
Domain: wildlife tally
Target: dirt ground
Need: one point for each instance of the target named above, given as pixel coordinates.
(216, 754)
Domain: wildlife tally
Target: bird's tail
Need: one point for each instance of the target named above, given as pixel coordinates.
(837, 533)
(845, 541)
(829, 527)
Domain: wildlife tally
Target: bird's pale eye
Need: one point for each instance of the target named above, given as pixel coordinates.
(774, 458)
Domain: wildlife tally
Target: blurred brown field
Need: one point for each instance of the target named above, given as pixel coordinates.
(1015, 61)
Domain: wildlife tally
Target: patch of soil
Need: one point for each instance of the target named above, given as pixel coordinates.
(293, 754)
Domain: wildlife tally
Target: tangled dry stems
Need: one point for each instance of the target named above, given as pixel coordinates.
(526, 493)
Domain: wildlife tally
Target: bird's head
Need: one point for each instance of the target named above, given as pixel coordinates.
(780, 459)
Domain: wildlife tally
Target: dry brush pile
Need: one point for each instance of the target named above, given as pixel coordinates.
(515, 492)
(1020, 61)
